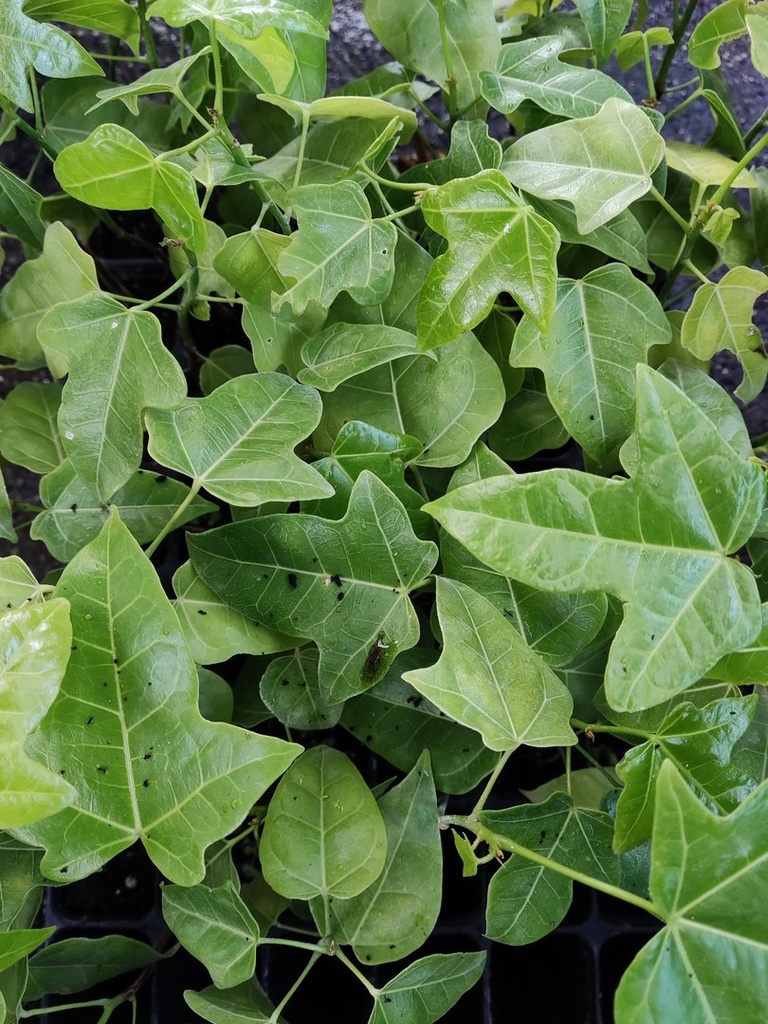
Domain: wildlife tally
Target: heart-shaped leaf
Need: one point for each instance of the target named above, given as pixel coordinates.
(290, 689)
(690, 503)
(722, 24)
(604, 23)
(126, 731)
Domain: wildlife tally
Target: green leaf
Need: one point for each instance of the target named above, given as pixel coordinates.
(750, 751)
(323, 833)
(339, 107)
(532, 70)
(215, 698)
(371, 557)
(605, 20)
(24, 45)
(527, 425)
(289, 688)
(245, 1004)
(488, 678)
(238, 442)
(17, 943)
(526, 901)
(345, 350)
(496, 243)
(222, 364)
(117, 368)
(721, 25)
(249, 262)
(245, 19)
(600, 164)
(690, 503)
(633, 47)
(394, 720)
(114, 169)
(73, 965)
(62, 273)
(17, 583)
(21, 885)
(413, 36)
(699, 742)
(757, 27)
(7, 532)
(126, 730)
(20, 205)
(338, 247)
(216, 927)
(720, 316)
(213, 631)
(705, 166)
(589, 369)
(34, 650)
(747, 665)
(113, 17)
(158, 80)
(74, 513)
(709, 876)
(472, 150)
(397, 913)
(427, 989)
(29, 435)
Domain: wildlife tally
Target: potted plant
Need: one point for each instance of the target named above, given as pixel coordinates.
(395, 515)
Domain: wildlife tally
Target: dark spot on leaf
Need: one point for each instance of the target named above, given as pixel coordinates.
(368, 738)
(105, 685)
(340, 596)
(145, 783)
(286, 682)
(73, 506)
(265, 575)
(392, 946)
(147, 757)
(101, 769)
(160, 479)
(374, 658)
(62, 771)
(465, 750)
(336, 579)
(201, 611)
(414, 700)
(368, 956)
(72, 648)
(115, 661)
(293, 580)
(384, 251)
(89, 720)
(592, 416)
(387, 999)
(63, 871)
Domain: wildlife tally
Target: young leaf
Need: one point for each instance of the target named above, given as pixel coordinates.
(338, 247)
(126, 730)
(496, 243)
(213, 631)
(699, 742)
(345, 350)
(527, 901)
(216, 927)
(488, 678)
(690, 504)
(532, 70)
(238, 443)
(158, 80)
(113, 168)
(427, 989)
(720, 25)
(634, 47)
(17, 583)
(20, 206)
(25, 45)
(351, 577)
(590, 371)
(323, 834)
(705, 166)
(29, 435)
(709, 880)
(604, 22)
(290, 690)
(600, 164)
(74, 513)
(720, 316)
(34, 650)
(472, 150)
(244, 19)
(113, 17)
(397, 913)
(62, 273)
(73, 965)
(117, 367)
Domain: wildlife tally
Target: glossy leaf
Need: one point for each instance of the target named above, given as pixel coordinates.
(74, 514)
(488, 678)
(472, 150)
(526, 900)
(750, 752)
(427, 988)
(117, 366)
(708, 879)
(699, 741)
(289, 688)
(395, 720)
(323, 833)
(158, 80)
(605, 23)
(600, 164)
(720, 25)
(397, 913)
(338, 247)
(245, 1004)
(17, 583)
(345, 350)
(528, 424)
(216, 927)
(72, 965)
(750, 663)
(126, 730)
(413, 36)
(371, 558)
(705, 166)
(589, 369)
(532, 70)
(213, 631)
(720, 316)
(114, 169)
(7, 532)
(690, 504)
(20, 206)
(34, 651)
(114, 17)
(238, 442)
(62, 273)
(496, 243)
(222, 364)
(241, 18)
(17, 943)
(27, 45)
(29, 435)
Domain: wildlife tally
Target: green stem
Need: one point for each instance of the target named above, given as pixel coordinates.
(33, 133)
(447, 60)
(190, 294)
(693, 269)
(683, 104)
(411, 186)
(36, 101)
(681, 23)
(492, 779)
(680, 221)
(313, 947)
(401, 213)
(755, 129)
(275, 1015)
(649, 82)
(148, 303)
(68, 1006)
(218, 77)
(568, 782)
(497, 842)
(146, 34)
(302, 146)
(179, 511)
(192, 109)
(611, 730)
(371, 989)
(190, 147)
(25, 506)
(596, 764)
(442, 125)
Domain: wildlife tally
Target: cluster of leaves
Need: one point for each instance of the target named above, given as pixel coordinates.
(364, 569)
